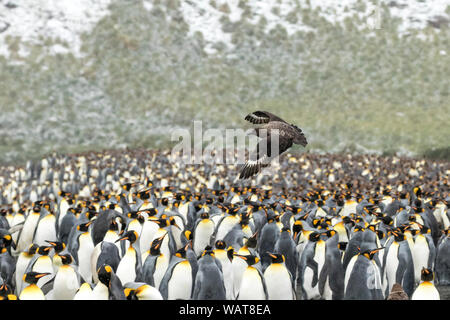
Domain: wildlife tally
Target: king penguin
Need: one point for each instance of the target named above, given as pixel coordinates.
(253, 286)
(41, 263)
(279, 281)
(268, 238)
(363, 277)
(26, 234)
(209, 283)
(398, 266)
(155, 264)
(21, 265)
(130, 266)
(32, 291)
(222, 254)
(204, 229)
(66, 281)
(426, 289)
(178, 282)
(443, 259)
(81, 247)
(109, 286)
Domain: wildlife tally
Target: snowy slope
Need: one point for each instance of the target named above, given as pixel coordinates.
(64, 21)
(61, 20)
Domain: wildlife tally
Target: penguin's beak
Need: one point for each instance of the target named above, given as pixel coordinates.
(123, 238)
(272, 255)
(40, 275)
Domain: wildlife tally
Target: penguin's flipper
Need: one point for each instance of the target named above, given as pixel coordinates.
(432, 255)
(197, 286)
(48, 286)
(315, 267)
(323, 277)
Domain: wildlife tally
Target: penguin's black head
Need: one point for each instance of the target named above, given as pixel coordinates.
(104, 274)
(43, 250)
(57, 245)
(84, 227)
(130, 294)
(424, 229)
(32, 249)
(276, 257)
(204, 215)
(208, 251)
(252, 241)
(230, 253)
(297, 228)
(358, 228)
(6, 241)
(5, 290)
(172, 222)
(426, 275)
(132, 215)
(156, 245)
(130, 236)
(370, 254)
(66, 259)
(330, 233)
(220, 244)
(314, 237)
(398, 235)
(181, 253)
(165, 201)
(250, 259)
(33, 277)
(152, 212)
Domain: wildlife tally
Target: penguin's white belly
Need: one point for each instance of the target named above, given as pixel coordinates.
(100, 292)
(160, 269)
(203, 233)
(426, 291)
(63, 207)
(66, 283)
(392, 265)
(374, 277)
(150, 293)
(348, 208)
(177, 236)
(45, 231)
(21, 266)
(26, 236)
(126, 271)
(84, 256)
(135, 226)
(148, 232)
(278, 283)
(18, 218)
(349, 270)
(251, 286)
(84, 293)
(225, 226)
(238, 267)
(421, 254)
(319, 257)
(32, 292)
(180, 284)
(227, 271)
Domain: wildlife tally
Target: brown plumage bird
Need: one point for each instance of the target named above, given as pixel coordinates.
(397, 293)
(273, 127)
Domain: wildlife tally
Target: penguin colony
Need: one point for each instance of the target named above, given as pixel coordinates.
(136, 225)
